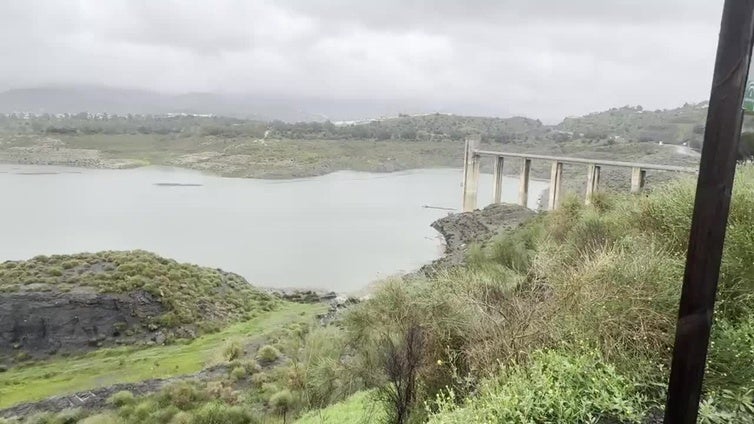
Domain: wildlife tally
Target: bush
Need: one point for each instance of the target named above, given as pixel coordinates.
(182, 395)
(69, 416)
(182, 417)
(233, 350)
(554, 386)
(401, 362)
(268, 354)
(219, 413)
(143, 410)
(250, 365)
(281, 402)
(317, 370)
(516, 249)
(165, 414)
(124, 397)
(238, 373)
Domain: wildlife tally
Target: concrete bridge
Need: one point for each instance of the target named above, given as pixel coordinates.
(473, 157)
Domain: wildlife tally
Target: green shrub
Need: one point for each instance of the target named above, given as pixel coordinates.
(516, 249)
(268, 354)
(317, 370)
(143, 410)
(238, 373)
(281, 402)
(182, 395)
(232, 350)
(219, 413)
(124, 397)
(71, 263)
(554, 386)
(182, 417)
(69, 416)
(165, 414)
(250, 365)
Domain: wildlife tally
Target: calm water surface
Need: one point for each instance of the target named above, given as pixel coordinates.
(338, 232)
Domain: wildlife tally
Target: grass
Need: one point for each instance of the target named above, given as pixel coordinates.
(124, 365)
(358, 408)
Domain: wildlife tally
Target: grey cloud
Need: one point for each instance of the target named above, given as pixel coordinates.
(542, 58)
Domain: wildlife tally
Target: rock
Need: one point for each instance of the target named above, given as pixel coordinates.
(159, 338)
(337, 306)
(304, 296)
(67, 322)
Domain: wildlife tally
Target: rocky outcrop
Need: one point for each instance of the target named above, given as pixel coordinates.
(37, 324)
(463, 229)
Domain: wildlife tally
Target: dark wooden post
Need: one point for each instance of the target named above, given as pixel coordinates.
(711, 206)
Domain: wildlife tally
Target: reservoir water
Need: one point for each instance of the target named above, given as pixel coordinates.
(338, 232)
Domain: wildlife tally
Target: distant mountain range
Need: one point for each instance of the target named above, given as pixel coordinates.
(95, 99)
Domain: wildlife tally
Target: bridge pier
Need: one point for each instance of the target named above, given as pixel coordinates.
(592, 181)
(471, 173)
(556, 185)
(523, 187)
(497, 179)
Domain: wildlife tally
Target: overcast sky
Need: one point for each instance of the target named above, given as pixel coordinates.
(540, 58)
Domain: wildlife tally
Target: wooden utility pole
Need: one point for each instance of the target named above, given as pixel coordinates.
(711, 206)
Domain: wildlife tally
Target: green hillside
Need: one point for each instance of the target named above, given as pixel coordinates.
(189, 293)
(635, 124)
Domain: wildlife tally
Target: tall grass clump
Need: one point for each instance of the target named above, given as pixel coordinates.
(317, 371)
